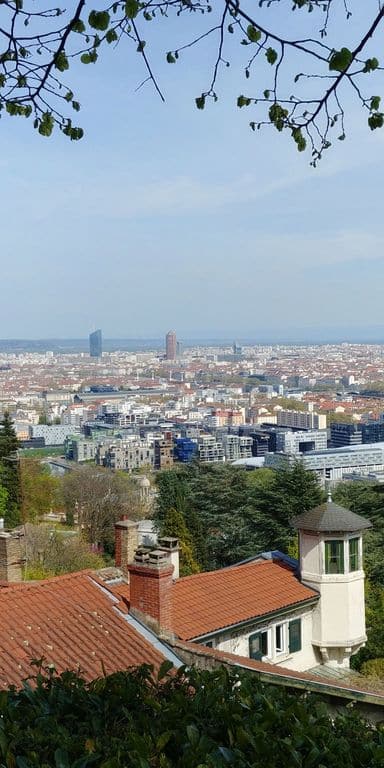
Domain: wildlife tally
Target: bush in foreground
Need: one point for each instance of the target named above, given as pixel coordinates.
(191, 718)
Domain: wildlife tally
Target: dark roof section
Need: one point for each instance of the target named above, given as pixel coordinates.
(329, 517)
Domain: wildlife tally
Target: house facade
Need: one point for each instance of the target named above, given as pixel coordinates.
(298, 614)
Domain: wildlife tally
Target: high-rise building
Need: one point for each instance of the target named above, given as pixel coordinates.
(170, 345)
(95, 343)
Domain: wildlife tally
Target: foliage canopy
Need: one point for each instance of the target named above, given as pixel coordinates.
(232, 514)
(301, 78)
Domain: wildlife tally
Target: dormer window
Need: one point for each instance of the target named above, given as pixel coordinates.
(334, 556)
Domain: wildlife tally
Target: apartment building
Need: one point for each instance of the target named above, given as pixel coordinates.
(301, 441)
(209, 449)
(237, 447)
(126, 455)
(301, 419)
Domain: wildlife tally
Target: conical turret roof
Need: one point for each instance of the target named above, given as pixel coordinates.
(330, 517)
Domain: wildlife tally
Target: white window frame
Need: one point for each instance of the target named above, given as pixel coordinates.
(283, 636)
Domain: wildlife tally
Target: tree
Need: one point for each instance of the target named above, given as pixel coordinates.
(50, 552)
(174, 525)
(39, 489)
(302, 79)
(98, 498)
(9, 470)
(295, 490)
(3, 501)
(232, 514)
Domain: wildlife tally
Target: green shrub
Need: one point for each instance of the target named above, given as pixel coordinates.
(188, 719)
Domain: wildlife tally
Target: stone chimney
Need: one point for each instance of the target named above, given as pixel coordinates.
(150, 584)
(12, 555)
(170, 545)
(126, 543)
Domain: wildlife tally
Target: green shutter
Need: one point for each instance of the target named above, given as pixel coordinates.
(294, 635)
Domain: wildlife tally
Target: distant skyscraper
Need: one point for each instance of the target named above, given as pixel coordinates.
(170, 345)
(95, 344)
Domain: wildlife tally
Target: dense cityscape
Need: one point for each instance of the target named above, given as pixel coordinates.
(253, 405)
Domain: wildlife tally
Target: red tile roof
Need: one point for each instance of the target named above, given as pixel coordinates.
(206, 602)
(73, 622)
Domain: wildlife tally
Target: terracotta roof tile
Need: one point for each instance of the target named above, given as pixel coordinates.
(206, 602)
(73, 622)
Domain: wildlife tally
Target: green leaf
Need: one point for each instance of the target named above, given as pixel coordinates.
(170, 58)
(78, 26)
(61, 61)
(376, 120)
(132, 8)
(271, 55)
(253, 34)
(85, 58)
(164, 669)
(243, 101)
(193, 735)
(99, 20)
(163, 740)
(370, 65)
(111, 36)
(61, 758)
(340, 60)
(375, 102)
(200, 102)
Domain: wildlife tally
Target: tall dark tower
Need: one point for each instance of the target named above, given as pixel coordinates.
(95, 343)
(170, 345)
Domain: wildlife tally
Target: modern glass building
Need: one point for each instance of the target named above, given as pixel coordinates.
(95, 343)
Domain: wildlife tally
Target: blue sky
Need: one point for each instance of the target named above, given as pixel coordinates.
(165, 216)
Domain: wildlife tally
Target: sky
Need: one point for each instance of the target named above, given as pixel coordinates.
(164, 216)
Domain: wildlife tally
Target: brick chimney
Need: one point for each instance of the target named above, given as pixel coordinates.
(12, 555)
(126, 542)
(150, 585)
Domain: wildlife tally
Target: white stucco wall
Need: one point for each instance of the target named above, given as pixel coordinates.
(237, 641)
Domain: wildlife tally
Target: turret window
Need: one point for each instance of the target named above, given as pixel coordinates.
(334, 556)
(353, 554)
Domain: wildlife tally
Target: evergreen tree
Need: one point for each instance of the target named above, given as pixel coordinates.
(294, 490)
(174, 525)
(171, 491)
(9, 470)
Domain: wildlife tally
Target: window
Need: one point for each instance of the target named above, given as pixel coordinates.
(258, 645)
(294, 633)
(354, 554)
(208, 643)
(334, 556)
(279, 638)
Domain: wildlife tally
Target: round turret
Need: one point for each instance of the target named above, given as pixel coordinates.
(331, 561)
